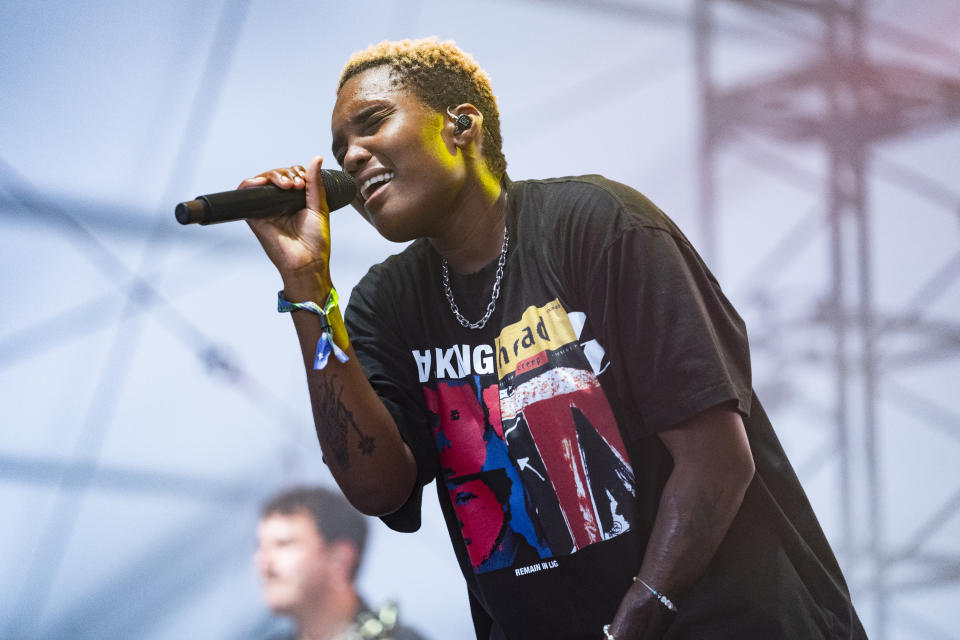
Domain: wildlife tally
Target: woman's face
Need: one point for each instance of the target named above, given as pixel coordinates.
(401, 153)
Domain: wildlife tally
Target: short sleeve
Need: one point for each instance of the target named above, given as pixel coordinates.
(379, 349)
(676, 344)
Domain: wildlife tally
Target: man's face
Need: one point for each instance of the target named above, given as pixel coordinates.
(293, 560)
(401, 153)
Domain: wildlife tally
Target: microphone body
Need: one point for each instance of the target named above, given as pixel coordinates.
(263, 202)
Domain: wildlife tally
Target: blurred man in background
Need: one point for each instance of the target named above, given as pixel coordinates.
(310, 542)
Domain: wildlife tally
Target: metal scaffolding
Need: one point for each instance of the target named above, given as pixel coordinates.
(842, 103)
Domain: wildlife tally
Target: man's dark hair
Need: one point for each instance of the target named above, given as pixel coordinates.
(441, 75)
(333, 516)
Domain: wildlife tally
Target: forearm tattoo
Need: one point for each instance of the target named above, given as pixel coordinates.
(334, 421)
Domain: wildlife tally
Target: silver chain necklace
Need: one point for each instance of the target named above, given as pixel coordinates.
(479, 324)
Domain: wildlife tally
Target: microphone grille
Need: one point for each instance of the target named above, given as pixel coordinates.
(340, 186)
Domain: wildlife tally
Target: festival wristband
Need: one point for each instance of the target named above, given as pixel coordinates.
(332, 331)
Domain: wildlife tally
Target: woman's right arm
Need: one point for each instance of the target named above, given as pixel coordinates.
(360, 441)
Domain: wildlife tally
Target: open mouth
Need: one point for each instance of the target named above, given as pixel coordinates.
(374, 184)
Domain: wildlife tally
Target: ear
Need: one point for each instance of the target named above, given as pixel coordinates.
(345, 557)
(458, 116)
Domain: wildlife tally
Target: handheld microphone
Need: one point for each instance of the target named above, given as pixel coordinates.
(264, 202)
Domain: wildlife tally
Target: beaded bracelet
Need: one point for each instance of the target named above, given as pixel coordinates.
(329, 320)
(664, 600)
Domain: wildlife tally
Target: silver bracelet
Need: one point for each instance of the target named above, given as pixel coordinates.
(664, 600)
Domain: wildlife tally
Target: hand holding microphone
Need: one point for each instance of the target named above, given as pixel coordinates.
(288, 213)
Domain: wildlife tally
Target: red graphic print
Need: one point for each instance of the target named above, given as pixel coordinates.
(481, 518)
(554, 432)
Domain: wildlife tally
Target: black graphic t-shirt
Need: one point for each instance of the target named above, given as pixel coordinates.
(540, 429)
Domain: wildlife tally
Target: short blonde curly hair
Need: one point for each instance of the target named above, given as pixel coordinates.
(441, 75)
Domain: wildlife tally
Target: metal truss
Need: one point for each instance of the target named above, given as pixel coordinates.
(843, 104)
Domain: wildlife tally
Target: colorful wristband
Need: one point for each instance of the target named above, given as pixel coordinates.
(332, 330)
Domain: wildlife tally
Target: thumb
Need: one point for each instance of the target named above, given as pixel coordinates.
(316, 194)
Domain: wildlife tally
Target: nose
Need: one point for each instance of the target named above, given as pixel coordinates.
(355, 158)
(261, 560)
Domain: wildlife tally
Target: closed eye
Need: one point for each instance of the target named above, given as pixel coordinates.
(364, 123)
(373, 122)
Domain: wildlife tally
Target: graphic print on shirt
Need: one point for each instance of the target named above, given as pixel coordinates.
(529, 452)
